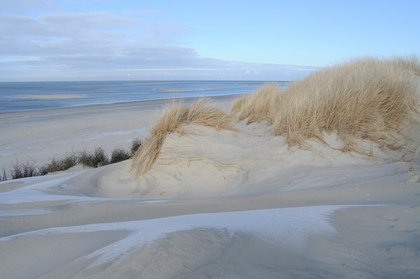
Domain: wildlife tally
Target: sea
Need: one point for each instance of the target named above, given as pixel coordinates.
(29, 96)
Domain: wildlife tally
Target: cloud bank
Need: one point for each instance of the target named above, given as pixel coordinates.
(104, 46)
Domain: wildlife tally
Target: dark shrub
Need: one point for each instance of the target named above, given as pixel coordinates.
(119, 155)
(95, 160)
(65, 163)
(3, 177)
(23, 170)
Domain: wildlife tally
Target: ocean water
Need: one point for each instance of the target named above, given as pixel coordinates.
(14, 96)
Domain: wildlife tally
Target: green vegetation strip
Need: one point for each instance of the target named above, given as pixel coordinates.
(94, 159)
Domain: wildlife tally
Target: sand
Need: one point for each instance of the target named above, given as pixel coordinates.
(216, 204)
(40, 136)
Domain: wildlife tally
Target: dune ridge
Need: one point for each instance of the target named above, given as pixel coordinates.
(173, 116)
(371, 105)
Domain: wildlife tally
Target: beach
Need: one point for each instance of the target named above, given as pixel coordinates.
(320, 179)
(39, 136)
(315, 213)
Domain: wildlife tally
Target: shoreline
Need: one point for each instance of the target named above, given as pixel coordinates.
(54, 96)
(122, 104)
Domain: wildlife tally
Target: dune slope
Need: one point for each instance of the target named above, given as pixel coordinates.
(234, 195)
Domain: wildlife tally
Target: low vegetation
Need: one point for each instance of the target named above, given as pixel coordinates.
(94, 159)
(119, 155)
(62, 164)
(135, 145)
(23, 170)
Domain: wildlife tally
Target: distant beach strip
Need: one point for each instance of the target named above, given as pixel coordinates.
(55, 96)
(187, 90)
(175, 90)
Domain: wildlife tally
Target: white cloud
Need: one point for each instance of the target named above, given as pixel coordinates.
(22, 6)
(79, 46)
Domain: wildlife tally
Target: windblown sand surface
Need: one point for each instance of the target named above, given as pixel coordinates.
(55, 96)
(215, 204)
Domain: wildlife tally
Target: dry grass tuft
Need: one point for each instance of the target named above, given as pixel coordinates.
(199, 113)
(258, 106)
(202, 113)
(144, 157)
(369, 99)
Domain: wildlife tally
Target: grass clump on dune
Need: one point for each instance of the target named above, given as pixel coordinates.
(258, 106)
(149, 151)
(202, 113)
(369, 99)
(173, 116)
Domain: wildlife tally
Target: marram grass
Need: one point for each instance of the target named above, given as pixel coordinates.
(199, 113)
(258, 106)
(372, 99)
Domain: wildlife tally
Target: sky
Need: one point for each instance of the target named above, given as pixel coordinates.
(50, 40)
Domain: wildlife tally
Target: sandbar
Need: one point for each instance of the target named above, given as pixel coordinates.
(174, 90)
(220, 87)
(55, 96)
(187, 90)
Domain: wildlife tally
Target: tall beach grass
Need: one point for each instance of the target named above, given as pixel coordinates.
(372, 99)
(259, 105)
(173, 116)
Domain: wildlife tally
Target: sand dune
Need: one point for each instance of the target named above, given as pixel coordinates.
(354, 219)
(239, 202)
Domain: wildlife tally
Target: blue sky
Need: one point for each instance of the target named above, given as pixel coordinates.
(180, 40)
